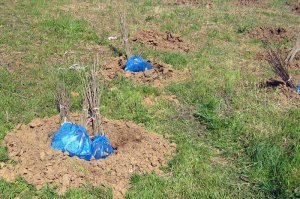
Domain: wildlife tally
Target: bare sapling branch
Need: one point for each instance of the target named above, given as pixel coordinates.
(91, 102)
(63, 102)
(279, 67)
(124, 31)
(84, 113)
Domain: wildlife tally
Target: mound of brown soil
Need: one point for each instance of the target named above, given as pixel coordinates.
(277, 83)
(157, 77)
(270, 34)
(283, 52)
(137, 152)
(162, 40)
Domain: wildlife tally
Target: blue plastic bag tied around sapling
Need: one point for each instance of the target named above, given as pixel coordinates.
(101, 147)
(137, 64)
(74, 139)
(298, 89)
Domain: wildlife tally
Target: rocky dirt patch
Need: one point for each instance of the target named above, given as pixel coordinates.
(283, 53)
(137, 151)
(268, 34)
(160, 75)
(162, 40)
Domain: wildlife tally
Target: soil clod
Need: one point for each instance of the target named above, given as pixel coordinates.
(294, 7)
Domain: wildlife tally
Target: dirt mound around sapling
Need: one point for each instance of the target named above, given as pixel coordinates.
(137, 151)
(276, 83)
(162, 40)
(283, 53)
(160, 75)
(269, 34)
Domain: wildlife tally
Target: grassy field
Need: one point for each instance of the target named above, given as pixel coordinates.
(225, 127)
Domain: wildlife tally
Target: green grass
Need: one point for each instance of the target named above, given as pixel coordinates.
(20, 188)
(220, 108)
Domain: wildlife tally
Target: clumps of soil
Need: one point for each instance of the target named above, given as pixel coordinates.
(283, 52)
(162, 40)
(157, 77)
(137, 151)
(276, 83)
(295, 8)
(268, 34)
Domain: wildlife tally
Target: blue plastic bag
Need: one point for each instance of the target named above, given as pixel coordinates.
(101, 147)
(73, 139)
(298, 89)
(137, 64)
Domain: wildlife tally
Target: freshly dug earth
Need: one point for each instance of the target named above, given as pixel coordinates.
(137, 151)
(270, 34)
(277, 83)
(162, 40)
(283, 53)
(295, 8)
(157, 77)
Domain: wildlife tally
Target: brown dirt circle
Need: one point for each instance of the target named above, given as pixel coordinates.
(269, 34)
(137, 152)
(160, 75)
(164, 41)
